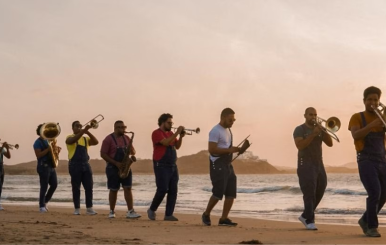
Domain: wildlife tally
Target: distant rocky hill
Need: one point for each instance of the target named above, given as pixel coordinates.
(193, 164)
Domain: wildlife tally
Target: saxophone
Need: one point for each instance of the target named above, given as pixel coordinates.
(50, 131)
(127, 159)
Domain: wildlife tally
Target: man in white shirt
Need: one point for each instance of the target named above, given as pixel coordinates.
(222, 175)
(4, 151)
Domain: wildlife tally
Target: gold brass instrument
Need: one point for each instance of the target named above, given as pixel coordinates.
(189, 131)
(16, 146)
(127, 159)
(380, 111)
(332, 125)
(94, 123)
(50, 131)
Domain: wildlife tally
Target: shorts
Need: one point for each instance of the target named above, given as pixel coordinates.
(223, 177)
(114, 182)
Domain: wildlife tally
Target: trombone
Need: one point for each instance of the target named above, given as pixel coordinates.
(94, 123)
(379, 111)
(189, 131)
(332, 125)
(16, 146)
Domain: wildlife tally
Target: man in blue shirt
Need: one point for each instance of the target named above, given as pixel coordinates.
(4, 150)
(47, 173)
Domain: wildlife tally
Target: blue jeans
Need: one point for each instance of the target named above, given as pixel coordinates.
(166, 177)
(47, 176)
(81, 173)
(372, 173)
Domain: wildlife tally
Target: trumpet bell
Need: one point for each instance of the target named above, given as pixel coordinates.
(94, 124)
(333, 124)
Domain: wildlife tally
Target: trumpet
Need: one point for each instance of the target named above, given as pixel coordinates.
(332, 125)
(94, 123)
(16, 146)
(380, 112)
(189, 131)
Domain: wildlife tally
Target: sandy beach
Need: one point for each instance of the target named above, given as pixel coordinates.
(24, 224)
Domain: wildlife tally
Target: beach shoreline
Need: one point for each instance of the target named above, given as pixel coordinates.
(25, 225)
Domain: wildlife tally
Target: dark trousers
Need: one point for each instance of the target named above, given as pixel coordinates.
(81, 173)
(373, 176)
(166, 177)
(313, 183)
(1, 178)
(47, 176)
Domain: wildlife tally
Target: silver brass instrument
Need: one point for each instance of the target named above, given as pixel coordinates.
(50, 131)
(380, 112)
(16, 146)
(127, 159)
(189, 131)
(94, 123)
(332, 125)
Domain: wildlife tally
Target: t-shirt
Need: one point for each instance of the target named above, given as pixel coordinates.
(42, 145)
(71, 148)
(4, 150)
(315, 148)
(222, 136)
(356, 121)
(158, 149)
(110, 148)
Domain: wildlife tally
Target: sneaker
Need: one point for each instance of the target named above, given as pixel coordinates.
(311, 226)
(303, 220)
(1, 207)
(363, 224)
(372, 232)
(77, 211)
(226, 222)
(206, 219)
(131, 214)
(91, 211)
(111, 214)
(43, 210)
(151, 214)
(170, 218)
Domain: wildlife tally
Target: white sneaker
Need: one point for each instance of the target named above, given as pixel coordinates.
(311, 226)
(77, 211)
(43, 210)
(111, 214)
(131, 214)
(91, 211)
(303, 220)
(1, 207)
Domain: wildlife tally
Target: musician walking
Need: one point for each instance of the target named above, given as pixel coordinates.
(312, 176)
(4, 151)
(222, 175)
(368, 132)
(79, 166)
(45, 169)
(113, 152)
(165, 143)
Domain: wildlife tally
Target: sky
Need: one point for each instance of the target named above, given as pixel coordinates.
(133, 60)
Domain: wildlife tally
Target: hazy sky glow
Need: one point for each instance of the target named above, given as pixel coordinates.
(136, 59)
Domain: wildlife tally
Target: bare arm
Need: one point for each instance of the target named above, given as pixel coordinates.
(75, 138)
(93, 139)
(39, 153)
(360, 133)
(327, 139)
(107, 158)
(214, 150)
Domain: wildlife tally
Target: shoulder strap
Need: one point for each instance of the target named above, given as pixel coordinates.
(364, 123)
(231, 137)
(115, 140)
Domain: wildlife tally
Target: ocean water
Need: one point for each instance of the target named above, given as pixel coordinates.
(273, 197)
